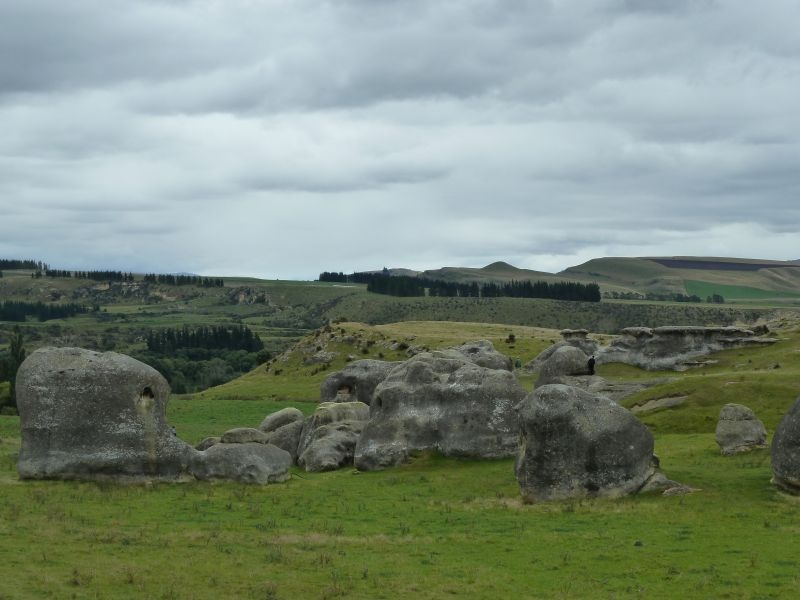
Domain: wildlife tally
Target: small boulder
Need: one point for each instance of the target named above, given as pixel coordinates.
(357, 381)
(566, 361)
(287, 438)
(244, 435)
(245, 463)
(739, 430)
(483, 354)
(206, 443)
(574, 444)
(331, 412)
(278, 419)
(331, 446)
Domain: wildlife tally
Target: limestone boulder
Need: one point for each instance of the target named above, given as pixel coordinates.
(435, 401)
(566, 361)
(330, 412)
(207, 442)
(246, 463)
(739, 430)
(331, 446)
(356, 382)
(91, 415)
(278, 419)
(287, 438)
(786, 451)
(574, 444)
(244, 435)
(483, 354)
(571, 337)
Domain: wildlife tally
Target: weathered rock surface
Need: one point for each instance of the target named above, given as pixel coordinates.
(739, 430)
(331, 412)
(98, 416)
(674, 348)
(437, 402)
(786, 451)
(91, 415)
(246, 463)
(278, 419)
(331, 446)
(244, 435)
(574, 444)
(483, 354)
(572, 337)
(357, 381)
(287, 438)
(564, 362)
(206, 443)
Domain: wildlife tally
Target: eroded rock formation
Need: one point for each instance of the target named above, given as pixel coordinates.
(440, 401)
(739, 430)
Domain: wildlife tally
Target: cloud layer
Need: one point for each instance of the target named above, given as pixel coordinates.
(282, 138)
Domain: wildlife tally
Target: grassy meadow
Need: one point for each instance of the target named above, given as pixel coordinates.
(433, 528)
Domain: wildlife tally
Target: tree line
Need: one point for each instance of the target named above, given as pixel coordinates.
(93, 275)
(184, 280)
(217, 337)
(13, 264)
(12, 310)
(406, 286)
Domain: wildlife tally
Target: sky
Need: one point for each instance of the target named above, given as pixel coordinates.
(282, 138)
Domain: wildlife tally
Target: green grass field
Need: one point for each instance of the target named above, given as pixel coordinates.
(736, 293)
(434, 528)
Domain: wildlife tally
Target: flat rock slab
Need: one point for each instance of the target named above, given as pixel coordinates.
(651, 405)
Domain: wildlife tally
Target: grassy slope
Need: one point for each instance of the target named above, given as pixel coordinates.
(433, 528)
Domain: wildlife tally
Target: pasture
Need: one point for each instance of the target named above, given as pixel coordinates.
(433, 528)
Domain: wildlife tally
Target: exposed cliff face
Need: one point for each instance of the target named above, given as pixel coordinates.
(674, 348)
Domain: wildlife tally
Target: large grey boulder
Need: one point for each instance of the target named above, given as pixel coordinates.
(245, 463)
(786, 451)
(566, 361)
(331, 446)
(278, 419)
(675, 347)
(287, 438)
(574, 444)
(437, 402)
(357, 381)
(91, 415)
(739, 430)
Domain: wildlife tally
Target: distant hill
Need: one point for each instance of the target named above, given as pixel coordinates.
(735, 279)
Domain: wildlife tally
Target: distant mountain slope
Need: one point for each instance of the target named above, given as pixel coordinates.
(733, 278)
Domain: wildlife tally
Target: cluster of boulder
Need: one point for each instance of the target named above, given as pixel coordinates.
(90, 415)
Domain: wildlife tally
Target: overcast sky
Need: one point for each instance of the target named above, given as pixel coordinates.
(280, 138)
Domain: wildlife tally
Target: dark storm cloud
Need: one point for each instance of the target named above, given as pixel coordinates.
(301, 135)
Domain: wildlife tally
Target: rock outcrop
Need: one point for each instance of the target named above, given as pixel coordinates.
(786, 451)
(435, 401)
(101, 416)
(281, 418)
(566, 361)
(357, 381)
(91, 415)
(574, 444)
(244, 435)
(577, 338)
(287, 438)
(739, 430)
(674, 348)
(483, 354)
